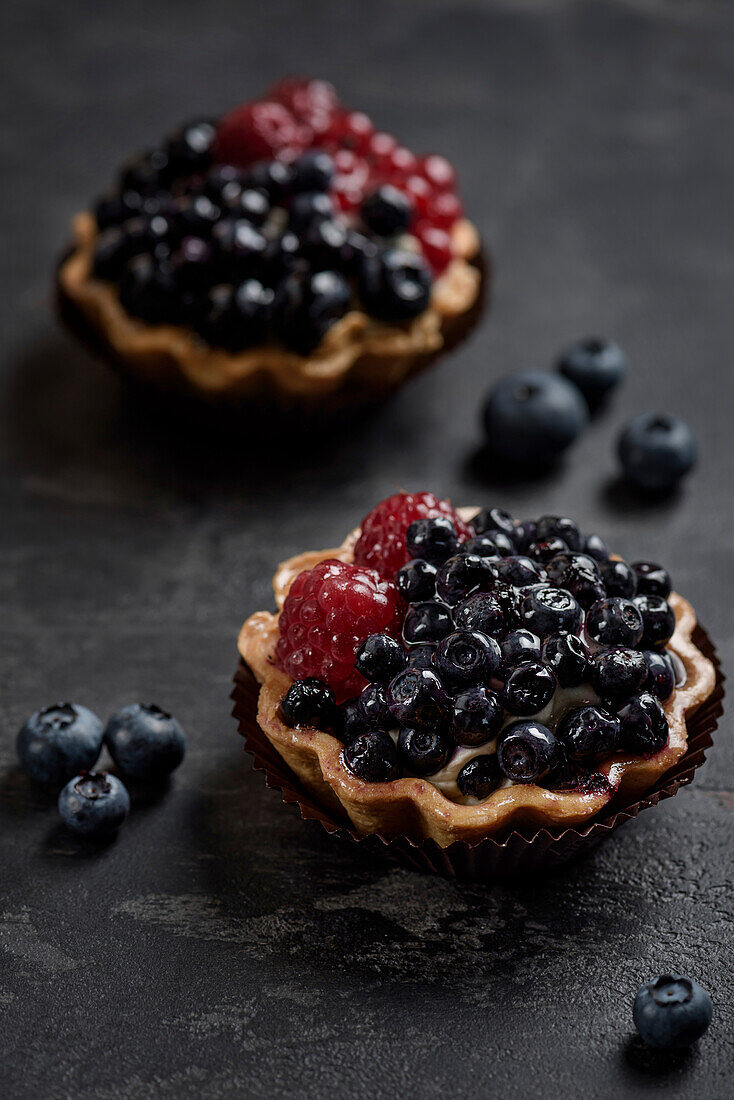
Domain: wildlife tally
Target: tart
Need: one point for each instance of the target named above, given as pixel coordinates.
(288, 248)
(457, 675)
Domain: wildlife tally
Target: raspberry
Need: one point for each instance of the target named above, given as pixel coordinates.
(328, 613)
(381, 545)
(435, 244)
(312, 102)
(439, 172)
(264, 130)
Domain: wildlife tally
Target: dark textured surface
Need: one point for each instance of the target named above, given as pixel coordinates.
(221, 948)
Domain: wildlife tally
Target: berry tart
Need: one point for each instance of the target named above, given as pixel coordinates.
(288, 248)
(457, 675)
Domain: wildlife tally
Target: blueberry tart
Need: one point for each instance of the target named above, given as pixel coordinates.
(288, 248)
(497, 681)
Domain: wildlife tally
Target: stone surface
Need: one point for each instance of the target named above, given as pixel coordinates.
(220, 947)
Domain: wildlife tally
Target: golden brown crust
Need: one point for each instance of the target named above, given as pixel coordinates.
(414, 807)
(358, 353)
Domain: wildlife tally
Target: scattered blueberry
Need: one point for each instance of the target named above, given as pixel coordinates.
(144, 741)
(372, 757)
(309, 702)
(532, 417)
(526, 752)
(59, 741)
(424, 751)
(671, 1011)
(656, 451)
(380, 658)
(94, 804)
(595, 366)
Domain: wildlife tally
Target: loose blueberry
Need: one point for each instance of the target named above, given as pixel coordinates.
(306, 307)
(416, 581)
(589, 731)
(615, 622)
(476, 716)
(372, 757)
(395, 285)
(313, 171)
(387, 212)
(519, 646)
(560, 527)
(568, 657)
(644, 725)
(309, 702)
(658, 621)
(57, 742)
(462, 575)
(595, 366)
(595, 547)
(657, 450)
(481, 612)
(144, 741)
(531, 418)
(618, 672)
(528, 688)
(671, 1011)
(619, 579)
(380, 658)
(94, 804)
(479, 777)
(467, 657)
(434, 540)
(424, 751)
(548, 610)
(652, 579)
(660, 674)
(427, 622)
(526, 752)
(416, 697)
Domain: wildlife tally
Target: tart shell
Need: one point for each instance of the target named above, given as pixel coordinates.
(413, 808)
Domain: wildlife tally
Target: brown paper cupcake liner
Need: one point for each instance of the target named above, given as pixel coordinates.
(517, 851)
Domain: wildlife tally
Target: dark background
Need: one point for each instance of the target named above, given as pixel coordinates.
(221, 947)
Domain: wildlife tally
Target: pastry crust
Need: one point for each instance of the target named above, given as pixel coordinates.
(358, 356)
(414, 807)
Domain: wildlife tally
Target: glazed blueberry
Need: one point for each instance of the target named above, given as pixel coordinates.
(671, 1011)
(545, 551)
(491, 520)
(482, 612)
(658, 621)
(483, 546)
(190, 150)
(350, 722)
(94, 804)
(224, 185)
(467, 657)
(273, 177)
(568, 658)
(644, 725)
(509, 600)
(595, 547)
(148, 290)
(395, 285)
(652, 579)
(519, 646)
(424, 751)
(589, 731)
(323, 244)
(615, 622)
(660, 678)
(416, 697)
(547, 610)
(619, 579)
(427, 622)
(559, 527)
(313, 171)
(380, 658)
(236, 318)
(57, 742)
(524, 535)
(195, 216)
(479, 777)
(309, 207)
(252, 206)
(372, 757)
(416, 581)
(476, 716)
(531, 417)
(462, 575)
(144, 741)
(421, 656)
(387, 212)
(595, 366)
(657, 450)
(146, 173)
(518, 571)
(434, 540)
(356, 251)
(584, 585)
(306, 307)
(309, 702)
(280, 256)
(372, 706)
(618, 672)
(240, 249)
(526, 751)
(528, 688)
(559, 565)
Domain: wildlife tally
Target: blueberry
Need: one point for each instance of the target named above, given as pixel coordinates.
(589, 731)
(273, 177)
(568, 657)
(421, 656)
(434, 540)
(309, 207)
(509, 600)
(476, 716)
(395, 285)
(491, 520)
(526, 751)
(144, 741)
(356, 251)
(531, 417)
(528, 688)
(519, 646)
(585, 585)
(416, 581)
(57, 742)
(146, 173)
(483, 547)
(111, 253)
(462, 575)
(313, 171)
(479, 777)
(148, 290)
(671, 1011)
(241, 250)
(252, 206)
(195, 215)
(560, 527)
(660, 674)
(657, 450)
(595, 366)
(190, 149)
(387, 211)
(251, 312)
(224, 184)
(559, 565)
(482, 612)
(309, 702)
(518, 571)
(467, 657)
(618, 672)
(427, 622)
(94, 804)
(424, 751)
(380, 658)
(658, 621)
(619, 579)
(547, 549)
(306, 307)
(524, 535)
(282, 253)
(547, 610)
(373, 708)
(350, 722)
(323, 244)
(372, 757)
(595, 547)
(615, 622)
(652, 579)
(644, 725)
(416, 697)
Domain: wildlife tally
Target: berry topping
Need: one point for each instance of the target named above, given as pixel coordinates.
(660, 674)
(380, 658)
(595, 547)
(476, 716)
(482, 612)
(568, 658)
(595, 366)
(372, 757)
(395, 285)
(381, 544)
(145, 742)
(618, 672)
(658, 621)
(94, 804)
(619, 579)
(656, 451)
(307, 306)
(427, 622)
(615, 622)
(309, 702)
(485, 547)
(644, 725)
(548, 610)
(416, 697)
(328, 613)
(589, 731)
(528, 688)
(467, 657)
(519, 646)
(434, 539)
(373, 709)
(652, 579)
(531, 418)
(489, 520)
(387, 212)
(671, 1011)
(549, 527)
(527, 751)
(479, 777)
(518, 571)
(265, 130)
(424, 751)
(57, 742)
(463, 574)
(416, 581)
